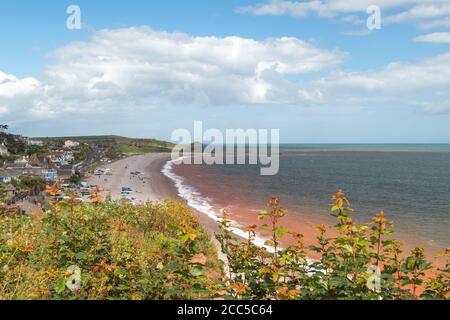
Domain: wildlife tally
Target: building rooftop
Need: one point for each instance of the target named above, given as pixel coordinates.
(9, 188)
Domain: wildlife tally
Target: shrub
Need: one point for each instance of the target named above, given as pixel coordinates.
(362, 262)
(118, 250)
(115, 250)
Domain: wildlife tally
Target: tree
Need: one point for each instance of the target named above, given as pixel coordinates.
(75, 178)
(4, 127)
(34, 184)
(31, 150)
(14, 144)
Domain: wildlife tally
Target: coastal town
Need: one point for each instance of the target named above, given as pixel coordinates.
(36, 171)
(31, 168)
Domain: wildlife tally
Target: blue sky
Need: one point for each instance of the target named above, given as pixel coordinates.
(309, 68)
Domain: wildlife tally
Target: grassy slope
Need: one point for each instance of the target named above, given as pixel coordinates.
(127, 146)
(152, 251)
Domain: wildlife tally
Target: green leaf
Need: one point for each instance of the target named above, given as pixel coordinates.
(347, 248)
(280, 232)
(335, 208)
(123, 287)
(269, 243)
(314, 248)
(339, 281)
(60, 285)
(196, 272)
(262, 215)
(80, 255)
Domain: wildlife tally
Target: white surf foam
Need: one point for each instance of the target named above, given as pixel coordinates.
(202, 204)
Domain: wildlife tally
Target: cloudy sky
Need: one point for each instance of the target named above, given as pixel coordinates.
(309, 68)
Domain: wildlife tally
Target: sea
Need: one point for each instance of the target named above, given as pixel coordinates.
(410, 183)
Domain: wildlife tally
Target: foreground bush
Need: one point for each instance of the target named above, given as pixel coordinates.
(362, 262)
(158, 251)
(107, 251)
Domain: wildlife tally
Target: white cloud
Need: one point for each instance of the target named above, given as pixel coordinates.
(17, 95)
(126, 71)
(424, 83)
(420, 12)
(321, 7)
(438, 107)
(296, 9)
(354, 11)
(437, 37)
(10, 86)
(137, 68)
(429, 75)
(3, 110)
(436, 23)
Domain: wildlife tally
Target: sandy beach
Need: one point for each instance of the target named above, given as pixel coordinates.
(150, 185)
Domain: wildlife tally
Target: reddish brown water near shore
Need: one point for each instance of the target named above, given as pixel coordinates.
(299, 186)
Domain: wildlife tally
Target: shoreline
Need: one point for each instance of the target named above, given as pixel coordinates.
(152, 185)
(157, 184)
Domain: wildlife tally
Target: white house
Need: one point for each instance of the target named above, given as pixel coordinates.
(3, 150)
(38, 143)
(71, 144)
(7, 177)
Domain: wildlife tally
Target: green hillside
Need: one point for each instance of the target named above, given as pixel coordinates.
(122, 145)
